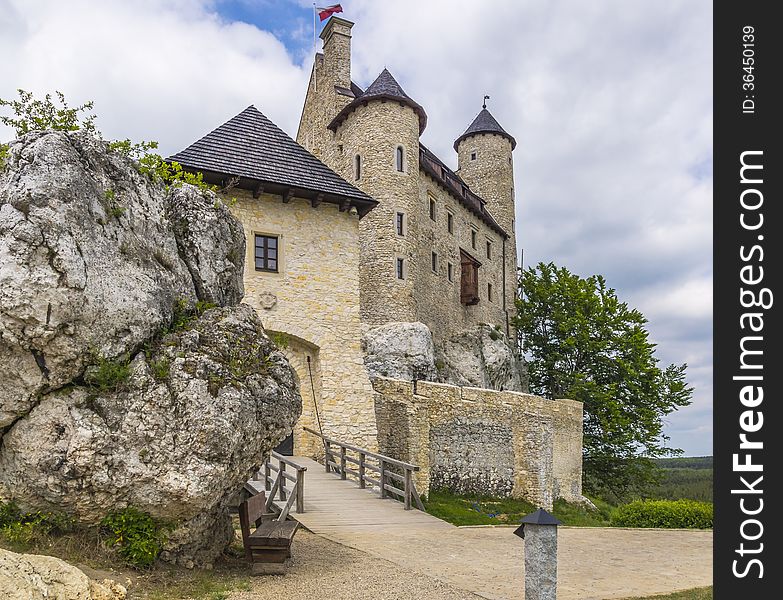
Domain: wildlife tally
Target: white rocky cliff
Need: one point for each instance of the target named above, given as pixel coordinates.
(131, 374)
(480, 357)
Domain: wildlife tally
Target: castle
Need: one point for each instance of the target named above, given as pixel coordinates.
(439, 248)
(357, 225)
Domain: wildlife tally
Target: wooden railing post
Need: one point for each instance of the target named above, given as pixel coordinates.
(383, 477)
(362, 456)
(300, 490)
(328, 454)
(267, 473)
(343, 474)
(408, 484)
(281, 475)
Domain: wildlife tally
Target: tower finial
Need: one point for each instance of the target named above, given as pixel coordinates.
(485, 102)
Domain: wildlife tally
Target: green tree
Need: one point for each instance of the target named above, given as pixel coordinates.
(33, 114)
(583, 343)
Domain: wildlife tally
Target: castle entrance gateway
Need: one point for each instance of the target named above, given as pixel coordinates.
(305, 358)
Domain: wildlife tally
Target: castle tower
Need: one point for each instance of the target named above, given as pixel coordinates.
(377, 135)
(329, 90)
(486, 164)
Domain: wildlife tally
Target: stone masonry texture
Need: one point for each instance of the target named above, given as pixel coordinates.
(314, 301)
(338, 278)
(472, 440)
(540, 562)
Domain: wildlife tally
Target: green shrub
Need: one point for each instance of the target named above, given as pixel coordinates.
(109, 375)
(279, 339)
(23, 528)
(3, 155)
(184, 314)
(669, 514)
(160, 368)
(137, 536)
(9, 513)
(32, 114)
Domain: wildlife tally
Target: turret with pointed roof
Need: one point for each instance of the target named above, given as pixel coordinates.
(484, 155)
(485, 123)
(385, 87)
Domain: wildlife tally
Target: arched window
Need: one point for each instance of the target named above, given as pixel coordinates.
(400, 159)
(357, 166)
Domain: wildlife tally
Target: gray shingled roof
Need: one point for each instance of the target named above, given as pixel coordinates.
(250, 146)
(384, 87)
(485, 123)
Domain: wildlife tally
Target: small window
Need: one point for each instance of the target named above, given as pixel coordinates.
(489, 292)
(489, 249)
(435, 262)
(464, 191)
(450, 271)
(473, 236)
(266, 253)
(357, 166)
(473, 155)
(513, 223)
(400, 159)
(400, 268)
(432, 208)
(450, 222)
(400, 223)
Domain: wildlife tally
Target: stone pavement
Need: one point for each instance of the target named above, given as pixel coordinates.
(593, 563)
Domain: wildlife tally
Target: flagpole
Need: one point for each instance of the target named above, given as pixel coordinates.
(315, 52)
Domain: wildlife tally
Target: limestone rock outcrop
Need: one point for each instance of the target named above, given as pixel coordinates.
(91, 260)
(118, 388)
(32, 576)
(400, 351)
(481, 357)
(478, 357)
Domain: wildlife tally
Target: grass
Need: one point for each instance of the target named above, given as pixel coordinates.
(703, 593)
(483, 510)
(85, 549)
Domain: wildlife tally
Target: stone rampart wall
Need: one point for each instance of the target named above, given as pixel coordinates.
(473, 440)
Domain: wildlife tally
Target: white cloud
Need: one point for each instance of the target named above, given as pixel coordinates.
(169, 71)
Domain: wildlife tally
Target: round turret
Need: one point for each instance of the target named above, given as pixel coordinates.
(378, 135)
(486, 165)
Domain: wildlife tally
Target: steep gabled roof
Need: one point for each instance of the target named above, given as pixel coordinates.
(251, 147)
(385, 87)
(485, 123)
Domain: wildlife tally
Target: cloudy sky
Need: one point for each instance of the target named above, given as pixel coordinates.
(610, 102)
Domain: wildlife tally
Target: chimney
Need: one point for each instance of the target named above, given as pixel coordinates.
(337, 51)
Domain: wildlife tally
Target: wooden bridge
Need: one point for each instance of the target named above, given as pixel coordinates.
(334, 498)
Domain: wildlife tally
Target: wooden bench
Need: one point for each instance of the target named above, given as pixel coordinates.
(267, 542)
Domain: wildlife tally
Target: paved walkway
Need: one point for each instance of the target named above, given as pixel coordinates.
(593, 563)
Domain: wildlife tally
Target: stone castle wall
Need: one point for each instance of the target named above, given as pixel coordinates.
(438, 302)
(314, 300)
(483, 441)
(491, 176)
(373, 131)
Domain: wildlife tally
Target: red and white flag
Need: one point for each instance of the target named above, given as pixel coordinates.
(326, 12)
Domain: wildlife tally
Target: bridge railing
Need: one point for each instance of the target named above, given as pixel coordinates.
(278, 484)
(339, 455)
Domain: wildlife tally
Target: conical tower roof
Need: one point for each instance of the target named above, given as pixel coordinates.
(485, 123)
(385, 87)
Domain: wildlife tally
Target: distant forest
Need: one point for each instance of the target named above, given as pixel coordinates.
(689, 478)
